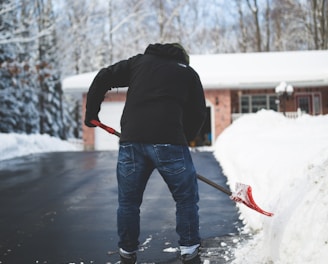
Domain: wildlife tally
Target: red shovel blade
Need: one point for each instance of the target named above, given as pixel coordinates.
(244, 195)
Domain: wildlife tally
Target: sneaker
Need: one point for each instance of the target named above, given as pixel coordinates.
(128, 258)
(193, 258)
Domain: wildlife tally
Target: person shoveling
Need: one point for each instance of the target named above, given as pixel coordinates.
(165, 109)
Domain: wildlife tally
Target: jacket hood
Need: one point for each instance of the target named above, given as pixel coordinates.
(173, 51)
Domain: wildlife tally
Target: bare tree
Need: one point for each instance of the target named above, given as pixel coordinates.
(110, 33)
(255, 12)
(319, 11)
(243, 40)
(277, 19)
(168, 18)
(267, 26)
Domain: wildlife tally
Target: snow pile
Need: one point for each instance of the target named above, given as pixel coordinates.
(286, 163)
(14, 145)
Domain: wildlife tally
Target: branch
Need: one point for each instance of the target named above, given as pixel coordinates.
(8, 8)
(43, 33)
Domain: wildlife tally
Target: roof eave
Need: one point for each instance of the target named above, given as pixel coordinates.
(264, 85)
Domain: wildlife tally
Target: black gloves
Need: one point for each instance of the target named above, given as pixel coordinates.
(88, 119)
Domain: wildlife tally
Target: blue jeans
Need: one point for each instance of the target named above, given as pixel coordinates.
(136, 161)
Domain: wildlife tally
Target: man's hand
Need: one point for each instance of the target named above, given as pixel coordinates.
(88, 119)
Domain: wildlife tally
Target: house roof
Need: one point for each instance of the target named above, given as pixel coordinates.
(245, 70)
(78, 83)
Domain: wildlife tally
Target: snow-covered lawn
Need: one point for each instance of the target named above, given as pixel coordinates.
(286, 163)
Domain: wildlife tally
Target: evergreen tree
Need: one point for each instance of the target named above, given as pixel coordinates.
(53, 117)
(30, 88)
(8, 110)
(17, 97)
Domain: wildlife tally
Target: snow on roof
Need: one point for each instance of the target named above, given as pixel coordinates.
(244, 70)
(262, 70)
(78, 83)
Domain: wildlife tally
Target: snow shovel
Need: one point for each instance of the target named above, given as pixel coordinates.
(243, 193)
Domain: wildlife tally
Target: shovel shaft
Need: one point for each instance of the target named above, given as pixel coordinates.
(200, 177)
(248, 201)
(213, 184)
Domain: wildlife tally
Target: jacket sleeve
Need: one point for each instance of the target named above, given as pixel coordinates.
(116, 75)
(195, 109)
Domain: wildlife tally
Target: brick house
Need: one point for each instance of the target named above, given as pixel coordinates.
(234, 84)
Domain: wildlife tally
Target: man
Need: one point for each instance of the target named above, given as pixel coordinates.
(164, 110)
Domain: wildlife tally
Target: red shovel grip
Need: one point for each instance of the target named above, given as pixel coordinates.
(107, 128)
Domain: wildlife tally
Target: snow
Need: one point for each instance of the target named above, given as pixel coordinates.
(16, 145)
(262, 69)
(286, 163)
(78, 83)
(244, 70)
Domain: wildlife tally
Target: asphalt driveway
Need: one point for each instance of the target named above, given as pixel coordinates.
(61, 208)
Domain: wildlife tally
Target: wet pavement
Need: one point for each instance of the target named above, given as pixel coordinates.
(61, 208)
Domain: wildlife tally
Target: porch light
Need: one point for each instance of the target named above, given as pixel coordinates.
(284, 91)
(289, 90)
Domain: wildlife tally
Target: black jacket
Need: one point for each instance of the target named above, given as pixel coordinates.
(165, 99)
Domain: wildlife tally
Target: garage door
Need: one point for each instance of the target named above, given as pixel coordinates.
(110, 115)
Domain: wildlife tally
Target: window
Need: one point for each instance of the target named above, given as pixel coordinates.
(309, 103)
(304, 103)
(273, 105)
(254, 103)
(259, 102)
(245, 104)
(316, 104)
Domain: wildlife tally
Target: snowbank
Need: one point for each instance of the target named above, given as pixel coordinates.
(14, 145)
(286, 163)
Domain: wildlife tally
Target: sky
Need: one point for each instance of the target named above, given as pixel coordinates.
(285, 161)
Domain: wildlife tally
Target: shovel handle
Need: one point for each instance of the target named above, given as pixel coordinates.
(248, 202)
(213, 184)
(200, 177)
